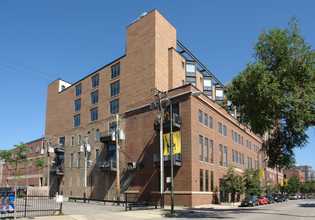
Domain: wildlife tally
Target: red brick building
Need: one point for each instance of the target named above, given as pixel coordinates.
(81, 114)
(288, 173)
(30, 174)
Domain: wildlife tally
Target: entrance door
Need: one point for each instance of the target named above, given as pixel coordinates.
(224, 197)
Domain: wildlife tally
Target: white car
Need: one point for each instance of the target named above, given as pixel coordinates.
(293, 196)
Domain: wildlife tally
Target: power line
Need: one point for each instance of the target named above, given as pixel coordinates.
(9, 67)
(31, 68)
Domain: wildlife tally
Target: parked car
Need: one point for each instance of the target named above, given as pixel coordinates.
(278, 197)
(303, 196)
(293, 196)
(262, 200)
(284, 198)
(250, 201)
(309, 196)
(299, 196)
(270, 199)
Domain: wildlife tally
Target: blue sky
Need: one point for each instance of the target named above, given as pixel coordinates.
(41, 41)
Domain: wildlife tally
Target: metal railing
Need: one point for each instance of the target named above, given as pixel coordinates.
(28, 206)
(107, 165)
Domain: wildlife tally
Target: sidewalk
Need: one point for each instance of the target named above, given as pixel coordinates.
(150, 213)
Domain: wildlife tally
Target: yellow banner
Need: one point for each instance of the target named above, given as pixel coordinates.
(262, 174)
(281, 182)
(176, 143)
(285, 182)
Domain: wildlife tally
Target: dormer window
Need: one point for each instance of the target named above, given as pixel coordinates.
(190, 69)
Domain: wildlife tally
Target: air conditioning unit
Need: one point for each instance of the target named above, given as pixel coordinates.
(132, 165)
(42, 151)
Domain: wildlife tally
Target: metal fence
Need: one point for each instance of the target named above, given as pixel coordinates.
(27, 206)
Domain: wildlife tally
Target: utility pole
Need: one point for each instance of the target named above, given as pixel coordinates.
(171, 152)
(159, 104)
(85, 165)
(117, 158)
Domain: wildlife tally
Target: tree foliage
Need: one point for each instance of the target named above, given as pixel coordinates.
(276, 91)
(270, 188)
(252, 182)
(234, 183)
(293, 185)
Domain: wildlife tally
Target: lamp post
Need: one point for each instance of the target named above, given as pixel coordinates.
(117, 158)
(85, 148)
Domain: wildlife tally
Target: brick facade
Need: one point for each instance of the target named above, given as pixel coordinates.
(151, 61)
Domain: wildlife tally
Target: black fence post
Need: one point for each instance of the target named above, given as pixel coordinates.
(60, 209)
(24, 203)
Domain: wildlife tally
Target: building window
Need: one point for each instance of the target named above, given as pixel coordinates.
(112, 152)
(250, 145)
(190, 69)
(114, 106)
(114, 89)
(77, 105)
(239, 139)
(211, 181)
(225, 156)
(211, 151)
(201, 180)
(79, 159)
(235, 137)
(247, 144)
(206, 150)
(236, 157)
(200, 148)
(37, 148)
(79, 141)
(207, 181)
(200, 116)
(94, 97)
(206, 119)
(224, 130)
(232, 155)
(219, 94)
(220, 127)
(72, 141)
(207, 84)
(248, 162)
(31, 150)
(78, 89)
(243, 159)
(88, 159)
(232, 135)
(76, 120)
(210, 122)
(115, 70)
(97, 134)
(96, 157)
(239, 158)
(95, 81)
(71, 161)
(93, 114)
(221, 154)
(242, 141)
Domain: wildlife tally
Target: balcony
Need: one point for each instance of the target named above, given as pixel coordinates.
(177, 160)
(60, 148)
(167, 123)
(57, 170)
(106, 136)
(107, 166)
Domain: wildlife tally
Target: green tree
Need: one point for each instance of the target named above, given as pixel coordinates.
(15, 158)
(275, 93)
(293, 185)
(270, 188)
(252, 182)
(305, 187)
(234, 183)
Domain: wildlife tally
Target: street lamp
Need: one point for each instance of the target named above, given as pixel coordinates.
(86, 147)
